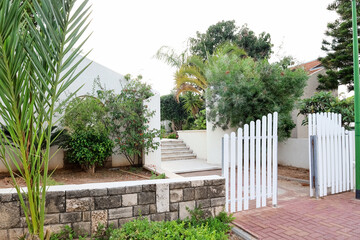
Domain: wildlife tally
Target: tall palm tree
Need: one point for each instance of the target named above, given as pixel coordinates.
(39, 49)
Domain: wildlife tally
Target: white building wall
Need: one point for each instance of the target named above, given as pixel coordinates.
(196, 140)
(153, 158)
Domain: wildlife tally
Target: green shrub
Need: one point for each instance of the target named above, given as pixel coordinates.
(326, 102)
(160, 176)
(196, 227)
(88, 149)
(128, 119)
(172, 136)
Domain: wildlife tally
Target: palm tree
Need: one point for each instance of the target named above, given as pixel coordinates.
(38, 56)
(193, 103)
(190, 73)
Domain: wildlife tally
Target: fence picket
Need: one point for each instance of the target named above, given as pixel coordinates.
(246, 167)
(252, 160)
(258, 183)
(239, 169)
(232, 171)
(343, 157)
(226, 169)
(275, 159)
(347, 157)
(310, 128)
(352, 157)
(269, 148)
(263, 162)
(320, 151)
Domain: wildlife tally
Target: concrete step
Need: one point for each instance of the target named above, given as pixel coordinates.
(179, 157)
(176, 153)
(175, 147)
(176, 150)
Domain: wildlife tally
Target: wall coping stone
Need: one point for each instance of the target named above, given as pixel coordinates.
(89, 186)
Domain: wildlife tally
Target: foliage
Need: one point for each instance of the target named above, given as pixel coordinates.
(68, 233)
(173, 111)
(88, 149)
(39, 52)
(128, 117)
(171, 135)
(155, 176)
(204, 44)
(244, 90)
(192, 103)
(88, 143)
(197, 227)
(85, 113)
(326, 102)
(200, 121)
(339, 47)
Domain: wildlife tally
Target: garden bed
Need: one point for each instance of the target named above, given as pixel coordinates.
(293, 172)
(77, 176)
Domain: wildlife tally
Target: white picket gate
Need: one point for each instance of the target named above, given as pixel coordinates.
(331, 155)
(250, 164)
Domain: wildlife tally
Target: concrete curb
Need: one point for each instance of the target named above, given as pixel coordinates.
(242, 233)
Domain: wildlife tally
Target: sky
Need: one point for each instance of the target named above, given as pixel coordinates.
(127, 34)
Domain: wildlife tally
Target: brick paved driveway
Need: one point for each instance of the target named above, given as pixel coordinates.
(302, 217)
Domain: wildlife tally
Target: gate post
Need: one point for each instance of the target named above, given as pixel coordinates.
(314, 165)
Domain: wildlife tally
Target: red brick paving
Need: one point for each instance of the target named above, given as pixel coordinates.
(333, 217)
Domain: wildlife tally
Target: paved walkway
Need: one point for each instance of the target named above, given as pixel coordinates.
(300, 217)
(333, 217)
(187, 166)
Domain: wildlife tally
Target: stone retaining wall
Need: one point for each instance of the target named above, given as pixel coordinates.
(85, 206)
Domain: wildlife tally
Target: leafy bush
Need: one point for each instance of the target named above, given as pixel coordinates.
(243, 90)
(200, 121)
(326, 102)
(155, 176)
(127, 117)
(88, 149)
(197, 227)
(88, 143)
(172, 136)
(173, 111)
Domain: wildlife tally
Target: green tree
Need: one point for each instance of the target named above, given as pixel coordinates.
(243, 90)
(204, 44)
(38, 57)
(173, 111)
(339, 48)
(323, 102)
(128, 118)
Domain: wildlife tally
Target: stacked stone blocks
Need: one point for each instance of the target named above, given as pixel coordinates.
(84, 210)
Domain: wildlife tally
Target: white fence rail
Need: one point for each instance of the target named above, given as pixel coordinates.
(331, 155)
(250, 164)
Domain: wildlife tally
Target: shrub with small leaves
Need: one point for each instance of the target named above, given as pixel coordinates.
(88, 148)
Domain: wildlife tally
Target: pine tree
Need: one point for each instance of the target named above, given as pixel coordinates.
(339, 60)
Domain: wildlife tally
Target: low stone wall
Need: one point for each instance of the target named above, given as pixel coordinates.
(85, 206)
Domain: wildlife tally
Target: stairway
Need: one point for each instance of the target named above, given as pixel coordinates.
(174, 149)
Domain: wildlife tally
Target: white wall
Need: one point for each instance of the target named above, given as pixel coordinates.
(56, 160)
(153, 158)
(294, 152)
(196, 140)
(108, 78)
(214, 143)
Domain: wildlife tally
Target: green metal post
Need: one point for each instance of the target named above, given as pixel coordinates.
(357, 98)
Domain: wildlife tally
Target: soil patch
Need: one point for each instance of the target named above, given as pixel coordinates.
(293, 172)
(78, 176)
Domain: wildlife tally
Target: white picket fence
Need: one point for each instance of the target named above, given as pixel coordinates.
(250, 164)
(334, 152)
